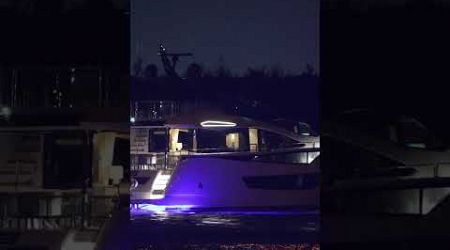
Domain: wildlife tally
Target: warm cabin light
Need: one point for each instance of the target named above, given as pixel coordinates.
(159, 185)
(232, 141)
(173, 134)
(211, 124)
(153, 160)
(253, 139)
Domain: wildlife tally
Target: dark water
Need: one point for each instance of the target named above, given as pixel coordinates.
(225, 230)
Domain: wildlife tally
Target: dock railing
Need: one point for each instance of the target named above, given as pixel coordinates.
(50, 211)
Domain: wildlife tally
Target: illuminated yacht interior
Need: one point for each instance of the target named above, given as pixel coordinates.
(223, 161)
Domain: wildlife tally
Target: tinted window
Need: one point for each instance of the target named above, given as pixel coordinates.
(270, 141)
(213, 140)
(158, 140)
(280, 182)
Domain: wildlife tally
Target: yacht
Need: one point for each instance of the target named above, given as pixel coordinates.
(218, 161)
(384, 163)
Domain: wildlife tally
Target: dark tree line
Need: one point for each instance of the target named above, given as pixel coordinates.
(261, 93)
(197, 71)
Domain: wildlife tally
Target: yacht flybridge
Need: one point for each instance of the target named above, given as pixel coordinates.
(217, 161)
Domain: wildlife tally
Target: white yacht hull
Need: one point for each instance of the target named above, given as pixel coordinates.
(224, 183)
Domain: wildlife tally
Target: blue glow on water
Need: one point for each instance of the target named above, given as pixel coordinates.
(151, 223)
(137, 209)
(149, 209)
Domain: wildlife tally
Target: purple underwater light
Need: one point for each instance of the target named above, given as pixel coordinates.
(158, 209)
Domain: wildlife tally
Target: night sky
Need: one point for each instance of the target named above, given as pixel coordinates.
(237, 34)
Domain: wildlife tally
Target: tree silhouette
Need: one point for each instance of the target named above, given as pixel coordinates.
(194, 71)
(256, 73)
(223, 72)
(208, 74)
(151, 71)
(309, 70)
(137, 67)
(276, 72)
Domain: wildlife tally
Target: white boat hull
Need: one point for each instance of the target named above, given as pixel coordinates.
(223, 183)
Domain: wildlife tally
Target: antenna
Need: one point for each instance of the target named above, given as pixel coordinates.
(169, 65)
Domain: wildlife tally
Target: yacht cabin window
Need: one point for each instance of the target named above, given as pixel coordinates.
(222, 140)
(157, 141)
(269, 141)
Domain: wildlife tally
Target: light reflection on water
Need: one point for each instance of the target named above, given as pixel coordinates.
(305, 221)
(260, 229)
(303, 246)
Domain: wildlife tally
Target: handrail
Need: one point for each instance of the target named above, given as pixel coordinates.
(261, 153)
(435, 166)
(76, 218)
